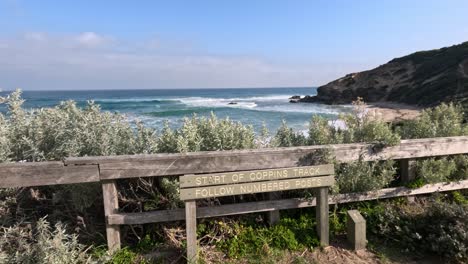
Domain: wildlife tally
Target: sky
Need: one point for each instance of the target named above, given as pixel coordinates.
(62, 45)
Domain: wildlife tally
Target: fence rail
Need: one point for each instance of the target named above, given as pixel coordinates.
(111, 168)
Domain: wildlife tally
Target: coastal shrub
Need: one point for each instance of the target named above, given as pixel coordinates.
(461, 164)
(67, 130)
(287, 137)
(4, 142)
(322, 133)
(440, 227)
(445, 120)
(434, 170)
(41, 244)
(358, 126)
(361, 176)
(204, 134)
(362, 127)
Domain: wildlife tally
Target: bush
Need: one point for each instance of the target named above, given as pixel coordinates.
(434, 170)
(66, 130)
(358, 126)
(204, 134)
(42, 244)
(286, 137)
(438, 227)
(363, 176)
(445, 120)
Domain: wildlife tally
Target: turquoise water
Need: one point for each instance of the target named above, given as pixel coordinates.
(252, 106)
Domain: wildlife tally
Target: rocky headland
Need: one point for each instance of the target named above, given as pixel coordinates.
(421, 79)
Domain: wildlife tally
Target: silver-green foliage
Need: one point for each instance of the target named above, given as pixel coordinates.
(41, 244)
(359, 126)
(434, 170)
(287, 137)
(204, 134)
(363, 176)
(445, 120)
(67, 130)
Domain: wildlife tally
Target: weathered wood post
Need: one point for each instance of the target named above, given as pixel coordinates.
(407, 168)
(321, 212)
(111, 206)
(408, 173)
(273, 217)
(191, 227)
(356, 227)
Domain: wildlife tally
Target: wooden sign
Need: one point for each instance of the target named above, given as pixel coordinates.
(255, 187)
(254, 176)
(193, 187)
(260, 181)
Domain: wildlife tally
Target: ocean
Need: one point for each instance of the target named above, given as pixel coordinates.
(254, 106)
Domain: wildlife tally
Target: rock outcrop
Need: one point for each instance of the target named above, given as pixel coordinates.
(423, 78)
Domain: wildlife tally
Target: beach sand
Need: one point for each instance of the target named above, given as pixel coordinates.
(393, 112)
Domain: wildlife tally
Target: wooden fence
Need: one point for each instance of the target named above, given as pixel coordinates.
(111, 168)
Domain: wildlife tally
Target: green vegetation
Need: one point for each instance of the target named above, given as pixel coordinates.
(288, 234)
(41, 244)
(445, 120)
(438, 226)
(67, 130)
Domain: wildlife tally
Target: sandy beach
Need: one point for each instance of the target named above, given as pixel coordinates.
(393, 112)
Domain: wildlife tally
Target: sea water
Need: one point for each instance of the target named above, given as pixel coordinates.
(252, 106)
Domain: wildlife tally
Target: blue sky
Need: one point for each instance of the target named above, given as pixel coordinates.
(208, 44)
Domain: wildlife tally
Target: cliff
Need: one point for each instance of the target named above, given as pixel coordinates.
(424, 78)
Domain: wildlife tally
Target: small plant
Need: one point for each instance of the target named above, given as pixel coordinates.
(289, 234)
(126, 256)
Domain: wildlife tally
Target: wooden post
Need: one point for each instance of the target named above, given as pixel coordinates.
(356, 225)
(408, 173)
(321, 212)
(191, 229)
(273, 217)
(111, 206)
(407, 168)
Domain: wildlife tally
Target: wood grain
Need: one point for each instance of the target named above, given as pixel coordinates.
(268, 206)
(255, 187)
(119, 167)
(45, 173)
(254, 176)
(111, 206)
(191, 227)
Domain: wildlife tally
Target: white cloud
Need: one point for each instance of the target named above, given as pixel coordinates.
(90, 39)
(44, 61)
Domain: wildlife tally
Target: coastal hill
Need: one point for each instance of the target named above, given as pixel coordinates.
(424, 78)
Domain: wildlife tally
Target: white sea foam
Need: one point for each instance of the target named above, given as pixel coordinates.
(125, 100)
(270, 103)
